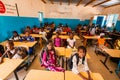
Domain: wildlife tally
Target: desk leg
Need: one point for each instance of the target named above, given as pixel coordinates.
(85, 42)
(104, 63)
(66, 63)
(16, 76)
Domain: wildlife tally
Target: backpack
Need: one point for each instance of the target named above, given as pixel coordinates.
(1, 50)
(70, 63)
(22, 51)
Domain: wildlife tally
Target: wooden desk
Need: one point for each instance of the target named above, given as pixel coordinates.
(60, 51)
(65, 36)
(8, 66)
(70, 51)
(112, 53)
(16, 44)
(69, 75)
(90, 37)
(44, 75)
(62, 33)
(33, 35)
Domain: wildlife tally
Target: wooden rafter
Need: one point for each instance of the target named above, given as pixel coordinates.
(51, 1)
(101, 3)
(69, 1)
(60, 2)
(89, 2)
(113, 5)
(44, 1)
(79, 2)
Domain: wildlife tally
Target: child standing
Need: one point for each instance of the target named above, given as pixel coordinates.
(48, 58)
(80, 63)
(57, 40)
(71, 41)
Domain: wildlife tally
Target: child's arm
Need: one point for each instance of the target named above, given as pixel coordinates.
(89, 76)
(68, 43)
(74, 43)
(87, 69)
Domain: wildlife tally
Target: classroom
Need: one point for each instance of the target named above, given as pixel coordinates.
(59, 39)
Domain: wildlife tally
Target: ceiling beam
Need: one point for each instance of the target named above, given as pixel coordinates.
(79, 2)
(101, 3)
(89, 2)
(44, 1)
(69, 1)
(60, 2)
(112, 5)
(51, 1)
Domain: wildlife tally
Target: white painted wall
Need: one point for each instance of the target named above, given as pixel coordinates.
(70, 11)
(112, 10)
(27, 8)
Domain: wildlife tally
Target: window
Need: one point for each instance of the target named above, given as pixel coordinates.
(41, 17)
(112, 18)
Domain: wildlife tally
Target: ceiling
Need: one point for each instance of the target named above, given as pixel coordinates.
(94, 3)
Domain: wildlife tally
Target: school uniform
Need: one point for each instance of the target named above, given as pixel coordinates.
(76, 69)
(71, 42)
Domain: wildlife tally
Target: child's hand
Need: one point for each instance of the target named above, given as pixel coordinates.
(85, 79)
(90, 78)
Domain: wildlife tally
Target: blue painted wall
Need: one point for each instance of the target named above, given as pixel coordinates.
(10, 23)
(71, 22)
(118, 25)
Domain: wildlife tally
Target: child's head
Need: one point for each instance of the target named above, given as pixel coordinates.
(27, 33)
(15, 33)
(28, 27)
(10, 45)
(82, 51)
(50, 45)
(57, 34)
(71, 35)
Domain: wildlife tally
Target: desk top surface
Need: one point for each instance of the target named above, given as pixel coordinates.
(8, 66)
(44, 75)
(16, 44)
(69, 75)
(65, 36)
(113, 52)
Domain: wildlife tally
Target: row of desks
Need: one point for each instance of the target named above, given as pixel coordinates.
(49, 75)
(61, 36)
(91, 37)
(67, 52)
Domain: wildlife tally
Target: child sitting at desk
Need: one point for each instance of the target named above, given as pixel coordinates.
(27, 37)
(101, 41)
(44, 34)
(12, 52)
(80, 63)
(71, 41)
(57, 40)
(48, 58)
(15, 37)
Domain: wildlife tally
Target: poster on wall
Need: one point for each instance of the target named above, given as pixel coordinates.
(7, 9)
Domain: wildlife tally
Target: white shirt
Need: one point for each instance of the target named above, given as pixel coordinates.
(15, 38)
(80, 67)
(71, 42)
(16, 56)
(43, 33)
(92, 31)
